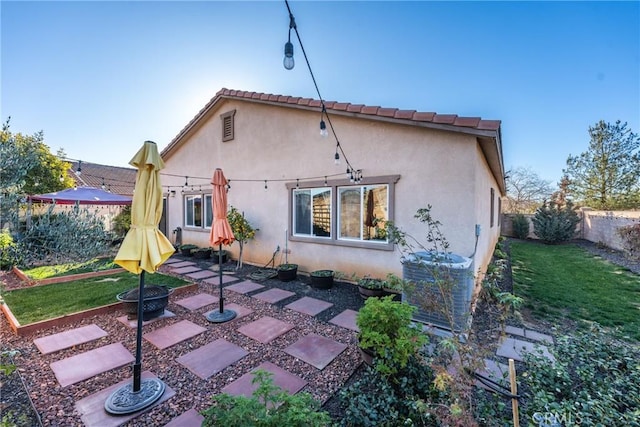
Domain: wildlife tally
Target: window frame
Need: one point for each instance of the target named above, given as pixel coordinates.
(334, 185)
(228, 125)
(206, 208)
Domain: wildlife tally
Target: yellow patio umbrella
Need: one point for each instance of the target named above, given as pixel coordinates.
(144, 249)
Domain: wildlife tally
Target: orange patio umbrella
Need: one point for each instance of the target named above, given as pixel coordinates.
(221, 233)
(144, 249)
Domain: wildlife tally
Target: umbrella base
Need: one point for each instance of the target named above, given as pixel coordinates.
(125, 401)
(221, 317)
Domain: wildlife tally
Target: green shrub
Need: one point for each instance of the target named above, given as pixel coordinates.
(520, 226)
(554, 223)
(630, 236)
(122, 222)
(594, 381)
(269, 406)
(9, 256)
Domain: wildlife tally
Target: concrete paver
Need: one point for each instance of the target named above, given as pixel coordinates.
(173, 334)
(245, 287)
(316, 350)
(287, 381)
(212, 358)
(265, 329)
(70, 338)
(308, 305)
(515, 349)
(197, 301)
(273, 295)
(346, 319)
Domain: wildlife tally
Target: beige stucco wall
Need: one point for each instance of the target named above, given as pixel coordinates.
(443, 169)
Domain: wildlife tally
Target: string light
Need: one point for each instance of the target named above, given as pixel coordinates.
(288, 61)
(79, 171)
(102, 186)
(325, 180)
(323, 126)
(265, 185)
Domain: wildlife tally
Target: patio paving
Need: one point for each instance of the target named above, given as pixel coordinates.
(90, 363)
(528, 334)
(346, 319)
(316, 350)
(186, 270)
(308, 305)
(172, 261)
(212, 358)
(243, 386)
(190, 418)
(513, 348)
(180, 264)
(495, 371)
(133, 323)
(197, 301)
(265, 329)
(216, 280)
(245, 287)
(70, 338)
(173, 334)
(202, 274)
(91, 408)
(273, 295)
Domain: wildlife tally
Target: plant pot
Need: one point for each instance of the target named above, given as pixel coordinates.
(367, 356)
(215, 256)
(187, 250)
(287, 272)
(201, 253)
(366, 292)
(322, 279)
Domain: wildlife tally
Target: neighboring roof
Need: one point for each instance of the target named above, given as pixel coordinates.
(117, 180)
(487, 131)
(83, 196)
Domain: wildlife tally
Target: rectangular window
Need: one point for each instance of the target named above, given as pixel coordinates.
(499, 210)
(193, 211)
(363, 212)
(493, 196)
(208, 211)
(312, 212)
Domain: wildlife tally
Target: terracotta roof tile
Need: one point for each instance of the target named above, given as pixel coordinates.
(329, 104)
(342, 106)
(489, 124)
(423, 117)
(404, 114)
(355, 108)
(445, 118)
(315, 103)
(387, 112)
(369, 110)
(470, 122)
(273, 97)
(256, 95)
(304, 101)
(265, 96)
(283, 98)
(293, 100)
(116, 179)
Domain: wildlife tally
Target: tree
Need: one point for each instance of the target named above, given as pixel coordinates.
(554, 223)
(242, 230)
(525, 190)
(607, 175)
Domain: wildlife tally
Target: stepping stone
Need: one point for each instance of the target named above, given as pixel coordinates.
(495, 371)
(265, 329)
(202, 274)
(346, 319)
(185, 270)
(308, 305)
(245, 287)
(316, 350)
(172, 261)
(273, 295)
(90, 363)
(197, 301)
(240, 310)
(190, 418)
(515, 349)
(173, 334)
(182, 264)
(529, 334)
(216, 280)
(243, 386)
(133, 323)
(212, 358)
(91, 408)
(67, 339)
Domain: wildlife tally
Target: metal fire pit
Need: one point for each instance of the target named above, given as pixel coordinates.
(156, 299)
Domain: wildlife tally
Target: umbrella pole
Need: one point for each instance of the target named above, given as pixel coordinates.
(221, 315)
(220, 271)
(137, 367)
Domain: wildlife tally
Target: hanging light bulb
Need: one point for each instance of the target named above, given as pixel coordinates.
(297, 183)
(348, 172)
(323, 129)
(79, 171)
(102, 186)
(186, 182)
(336, 158)
(265, 185)
(288, 61)
(325, 181)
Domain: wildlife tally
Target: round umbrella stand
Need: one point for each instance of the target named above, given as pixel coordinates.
(220, 317)
(126, 401)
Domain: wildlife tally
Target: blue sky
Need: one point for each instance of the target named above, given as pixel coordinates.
(99, 78)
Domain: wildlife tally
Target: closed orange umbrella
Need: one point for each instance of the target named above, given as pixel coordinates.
(144, 249)
(221, 233)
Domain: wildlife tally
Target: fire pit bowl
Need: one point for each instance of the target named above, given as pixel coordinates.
(156, 299)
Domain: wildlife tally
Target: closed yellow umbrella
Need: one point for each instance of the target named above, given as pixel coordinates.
(144, 249)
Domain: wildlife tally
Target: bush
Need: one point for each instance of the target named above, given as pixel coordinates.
(122, 222)
(554, 223)
(520, 226)
(269, 406)
(630, 236)
(8, 253)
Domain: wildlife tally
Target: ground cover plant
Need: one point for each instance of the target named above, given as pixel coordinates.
(66, 269)
(564, 281)
(38, 303)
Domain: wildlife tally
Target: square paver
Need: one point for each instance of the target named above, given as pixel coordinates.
(216, 280)
(316, 350)
(190, 418)
(172, 261)
(240, 310)
(346, 319)
(245, 287)
(173, 334)
(202, 274)
(529, 334)
(212, 358)
(273, 295)
(182, 264)
(308, 305)
(188, 269)
(70, 338)
(85, 365)
(515, 349)
(91, 408)
(244, 386)
(265, 329)
(197, 301)
(494, 371)
(133, 323)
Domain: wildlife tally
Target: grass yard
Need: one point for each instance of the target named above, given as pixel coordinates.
(46, 302)
(565, 281)
(49, 271)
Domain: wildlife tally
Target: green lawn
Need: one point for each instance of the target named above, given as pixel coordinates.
(565, 281)
(45, 302)
(49, 271)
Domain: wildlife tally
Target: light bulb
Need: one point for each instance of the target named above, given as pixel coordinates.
(336, 159)
(288, 61)
(323, 129)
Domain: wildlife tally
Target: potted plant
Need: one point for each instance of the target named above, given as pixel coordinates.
(201, 253)
(187, 249)
(371, 287)
(322, 279)
(386, 335)
(215, 255)
(287, 272)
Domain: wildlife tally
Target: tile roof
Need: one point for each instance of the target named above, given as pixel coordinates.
(115, 179)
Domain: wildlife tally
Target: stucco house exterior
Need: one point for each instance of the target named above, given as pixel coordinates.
(284, 178)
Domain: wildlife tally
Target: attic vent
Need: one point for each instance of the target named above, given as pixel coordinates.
(227, 125)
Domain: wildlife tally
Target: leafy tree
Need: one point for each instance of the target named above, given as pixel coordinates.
(554, 223)
(520, 225)
(525, 190)
(607, 175)
(242, 230)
